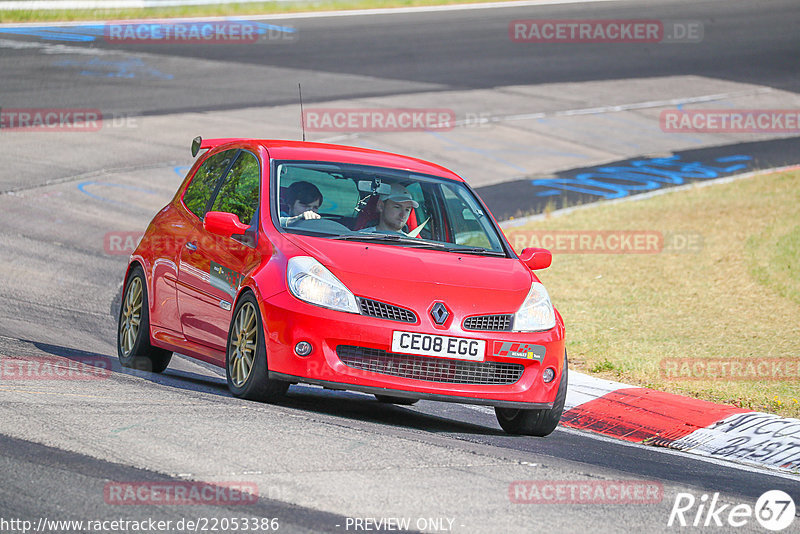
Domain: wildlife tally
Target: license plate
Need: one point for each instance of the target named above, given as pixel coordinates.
(457, 348)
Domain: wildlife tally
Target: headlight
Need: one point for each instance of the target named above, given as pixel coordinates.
(310, 281)
(536, 313)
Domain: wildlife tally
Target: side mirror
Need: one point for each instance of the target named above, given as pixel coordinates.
(536, 258)
(196, 144)
(224, 224)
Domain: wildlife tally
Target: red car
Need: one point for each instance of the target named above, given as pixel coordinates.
(291, 262)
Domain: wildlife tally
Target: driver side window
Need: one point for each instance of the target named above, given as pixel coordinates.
(239, 193)
(205, 180)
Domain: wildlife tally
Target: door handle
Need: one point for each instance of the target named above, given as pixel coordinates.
(191, 246)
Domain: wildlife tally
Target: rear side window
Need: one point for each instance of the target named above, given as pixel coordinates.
(205, 181)
(239, 191)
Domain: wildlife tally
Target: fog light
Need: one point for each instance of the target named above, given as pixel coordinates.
(304, 348)
(548, 375)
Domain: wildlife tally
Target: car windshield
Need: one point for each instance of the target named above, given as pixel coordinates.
(364, 203)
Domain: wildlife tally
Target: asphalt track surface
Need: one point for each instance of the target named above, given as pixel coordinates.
(450, 50)
(319, 457)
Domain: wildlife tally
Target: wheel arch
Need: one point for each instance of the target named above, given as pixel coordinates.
(135, 262)
(245, 289)
(148, 287)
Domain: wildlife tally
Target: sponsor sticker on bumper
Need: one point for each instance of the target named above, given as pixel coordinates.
(514, 349)
(457, 348)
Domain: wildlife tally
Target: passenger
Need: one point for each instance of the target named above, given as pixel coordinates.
(304, 200)
(393, 211)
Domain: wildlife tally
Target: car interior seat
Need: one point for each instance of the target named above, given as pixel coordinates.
(368, 216)
(284, 203)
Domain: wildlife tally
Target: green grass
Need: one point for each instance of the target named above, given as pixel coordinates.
(259, 8)
(774, 257)
(737, 297)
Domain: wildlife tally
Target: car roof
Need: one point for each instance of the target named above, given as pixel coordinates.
(309, 151)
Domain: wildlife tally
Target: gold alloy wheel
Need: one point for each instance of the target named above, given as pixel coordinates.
(243, 345)
(131, 316)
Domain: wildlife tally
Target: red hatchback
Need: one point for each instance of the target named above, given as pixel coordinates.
(290, 262)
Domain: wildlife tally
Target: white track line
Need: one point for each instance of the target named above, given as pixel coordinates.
(140, 4)
(628, 107)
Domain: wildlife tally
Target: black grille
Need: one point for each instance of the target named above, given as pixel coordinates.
(374, 308)
(496, 323)
(429, 369)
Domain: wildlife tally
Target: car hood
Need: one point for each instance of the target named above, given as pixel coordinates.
(468, 284)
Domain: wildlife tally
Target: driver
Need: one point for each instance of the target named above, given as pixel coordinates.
(304, 200)
(393, 211)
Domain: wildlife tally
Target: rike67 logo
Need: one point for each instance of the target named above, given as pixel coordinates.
(774, 511)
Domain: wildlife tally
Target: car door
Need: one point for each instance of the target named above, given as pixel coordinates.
(211, 267)
(175, 225)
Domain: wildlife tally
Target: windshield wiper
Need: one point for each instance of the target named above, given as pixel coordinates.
(419, 243)
(476, 250)
(369, 237)
(392, 238)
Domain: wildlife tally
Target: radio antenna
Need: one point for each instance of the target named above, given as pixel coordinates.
(302, 117)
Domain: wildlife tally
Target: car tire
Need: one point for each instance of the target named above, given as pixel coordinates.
(246, 355)
(400, 401)
(133, 328)
(535, 422)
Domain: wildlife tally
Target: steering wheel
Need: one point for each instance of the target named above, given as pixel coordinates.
(321, 225)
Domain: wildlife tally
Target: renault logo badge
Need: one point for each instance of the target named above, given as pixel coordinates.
(439, 313)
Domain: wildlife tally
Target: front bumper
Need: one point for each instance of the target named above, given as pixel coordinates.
(287, 321)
